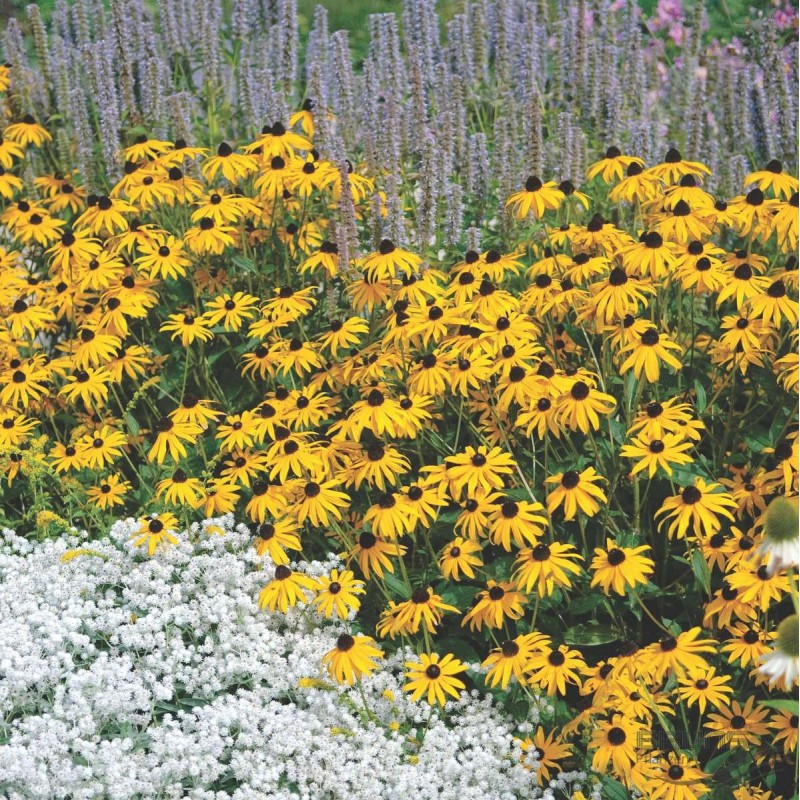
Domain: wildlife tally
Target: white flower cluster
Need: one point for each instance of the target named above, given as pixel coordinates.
(126, 677)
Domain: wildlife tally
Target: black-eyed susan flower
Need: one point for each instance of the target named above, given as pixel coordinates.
(748, 642)
(616, 567)
(738, 725)
(10, 184)
(107, 216)
(646, 355)
(576, 491)
(685, 222)
(547, 752)
(785, 224)
(522, 521)
(473, 520)
(390, 516)
(337, 593)
(535, 198)
(100, 447)
(670, 416)
(156, 531)
(581, 406)
(434, 677)
(424, 501)
(757, 584)
(697, 510)
(545, 567)
(460, 556)
(163, 259)
(775, 305)
(342, 335)
(424, 607)
(389, 260)
(28, 318)
(208, 237)
(743, 285)
(616, 741)
(220, 497)
(231, 311)
(276, 140)
(320, 502)
(89, 385)
(233, 166)
(188, 328)
(478, 468)
(612, 165)
(352, 658)
(494, 604)
(275, 538)
(27, 132)
(784, 723)
(171, 439)
(637, 186)
(374, 554)
(679, 654)
(109, 492)
(285, 590)
(704, 687)
(674, 167)
(15, 429)
(180, 490)
(194, 410)
(553, 668)
(773, 177)
(654, 453)
(512, 658)
(671, 777)
(725, 605)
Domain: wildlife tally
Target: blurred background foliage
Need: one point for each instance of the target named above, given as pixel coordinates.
(727, 18)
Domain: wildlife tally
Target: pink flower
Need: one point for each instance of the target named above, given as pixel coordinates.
(678, 34)
(668, 12)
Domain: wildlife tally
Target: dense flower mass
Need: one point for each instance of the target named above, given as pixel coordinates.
(498, 375)
(129, 677)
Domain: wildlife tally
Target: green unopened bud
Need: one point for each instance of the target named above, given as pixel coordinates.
(787, 639)
(782, 521)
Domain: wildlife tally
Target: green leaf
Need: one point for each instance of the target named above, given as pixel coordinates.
(792, 706)
(584, 604)
(397, 586)
(701, 571)
(589, 634)
(756, 441)
(243, 262)
(133, 425)
(614, 790)
(700, 394)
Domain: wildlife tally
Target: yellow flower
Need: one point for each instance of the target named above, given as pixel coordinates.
(109, 493)
(435, 677)
(338, 592)
(545, 567)
(651, 349)
(156, 531)
(512, 658)
(576, 490)
(460, 555)
(616, 567)
(552, 669)
(285, 590)
(352, 658)
(696, 510)
(535, 198)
